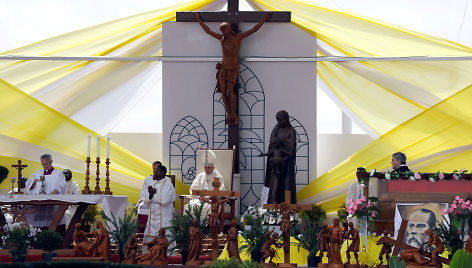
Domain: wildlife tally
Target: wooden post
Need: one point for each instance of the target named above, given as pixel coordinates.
(286, 235)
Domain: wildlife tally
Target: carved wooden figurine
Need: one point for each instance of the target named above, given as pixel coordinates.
(81, 242)
(103, 244)
(323, 236)
(335, 242)
(468, 244)
(131, 250)
(160, 248)
(232, 241)
(195, 243)
(386, 247)
(353, 235)
(434, 240)
(267, 250)
(148, 257)
(413, 256)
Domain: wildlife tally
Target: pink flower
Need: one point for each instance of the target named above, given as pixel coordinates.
(462, 170)
(368, 204)
(354, 207)
(373, 214)
(363, 198)
(455, 177)
(467, 203)
(457, 198)
(444, 211)
(453, 206)
(417, 176)
(451, 210)
(463, 206)
(441, 176)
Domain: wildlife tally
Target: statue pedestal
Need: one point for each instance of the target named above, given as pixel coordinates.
(331, 265)
(197, 262)
(382, 266)
(269, 264)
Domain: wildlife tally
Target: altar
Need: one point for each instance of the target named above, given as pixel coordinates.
(113, 206)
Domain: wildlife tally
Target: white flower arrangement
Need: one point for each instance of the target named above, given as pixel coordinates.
(270, 216)
(372, 172)
(387, 176)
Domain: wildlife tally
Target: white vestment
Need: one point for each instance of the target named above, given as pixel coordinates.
(203, 182)
(43, 215)
(71, 187)
(161, 206)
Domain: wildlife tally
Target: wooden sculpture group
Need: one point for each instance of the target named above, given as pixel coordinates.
(100, 247)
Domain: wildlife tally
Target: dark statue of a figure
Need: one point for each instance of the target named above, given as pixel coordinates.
(280, 168)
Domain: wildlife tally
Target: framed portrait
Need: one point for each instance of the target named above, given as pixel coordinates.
(421, 217)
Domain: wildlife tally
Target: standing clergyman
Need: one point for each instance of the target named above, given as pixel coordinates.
(159, 194)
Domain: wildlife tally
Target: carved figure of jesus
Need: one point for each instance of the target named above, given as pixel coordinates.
(228, 69)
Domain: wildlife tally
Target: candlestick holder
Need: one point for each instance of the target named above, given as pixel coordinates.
(86, 189)
(97, 187)
(107, 187)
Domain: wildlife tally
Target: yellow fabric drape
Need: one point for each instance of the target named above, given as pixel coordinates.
(388, 82)
(437, 139)
(28, 120)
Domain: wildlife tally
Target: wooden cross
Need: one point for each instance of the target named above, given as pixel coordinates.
(233, 16)
(215, 206)
(20, 167)
(286, 209)
(398, 244)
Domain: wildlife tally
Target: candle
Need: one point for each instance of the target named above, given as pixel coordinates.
(108, 147)
(88, 146)
(98, 146)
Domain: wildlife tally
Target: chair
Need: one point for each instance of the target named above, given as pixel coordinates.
(224, 163)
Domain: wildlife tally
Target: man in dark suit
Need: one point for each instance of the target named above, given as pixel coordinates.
(399, 162)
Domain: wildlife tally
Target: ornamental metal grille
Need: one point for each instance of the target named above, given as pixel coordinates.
(185, 138)
(251, 134)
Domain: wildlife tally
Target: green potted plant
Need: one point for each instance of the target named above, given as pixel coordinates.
(254, 236)
(307, 236)
(315, 214)
(90, 216)
(49, 241)
(453, 239)
(179, 230)
(121, 231)
(18, 237)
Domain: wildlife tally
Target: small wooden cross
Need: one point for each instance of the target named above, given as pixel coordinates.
(214, 212)
(286, 209)
(20, 167)
(398, 244)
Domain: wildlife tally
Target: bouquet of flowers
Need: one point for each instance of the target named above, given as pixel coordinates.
(269, 216)
(364, 207)
(460, 211)
(18, 237)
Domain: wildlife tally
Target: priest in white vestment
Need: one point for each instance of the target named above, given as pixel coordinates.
(71, 187)
(54, 182)
(204, 181)
(159, 194)
(143, 208)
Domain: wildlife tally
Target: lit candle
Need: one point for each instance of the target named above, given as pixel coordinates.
(88, 146)
(108, 147)
(98, 146)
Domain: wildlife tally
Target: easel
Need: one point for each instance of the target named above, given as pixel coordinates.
(398, 244)
(19, 167)
(286, 208)
(215, 192)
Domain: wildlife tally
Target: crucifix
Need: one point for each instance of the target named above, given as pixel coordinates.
(20, 167)
(398, 244)
(215, 204)
(228, 69)
(286, 209)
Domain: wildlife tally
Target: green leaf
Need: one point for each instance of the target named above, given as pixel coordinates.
(393, 262)
(461, 259)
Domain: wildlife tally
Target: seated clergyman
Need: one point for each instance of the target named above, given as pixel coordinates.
(204, 181)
